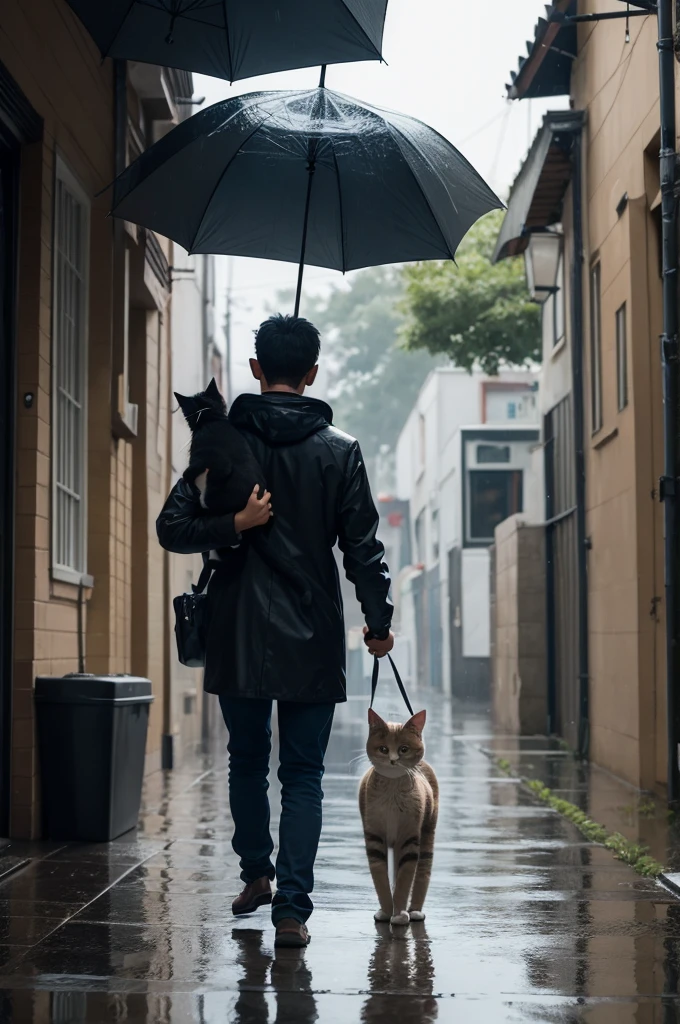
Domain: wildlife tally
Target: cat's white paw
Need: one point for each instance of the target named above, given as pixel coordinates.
(402, 918)
(416, 915)
(380, 915)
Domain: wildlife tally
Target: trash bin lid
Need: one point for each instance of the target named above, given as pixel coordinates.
(81, 688)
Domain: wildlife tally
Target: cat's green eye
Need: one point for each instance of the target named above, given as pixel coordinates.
(403, 750)
(383, 750)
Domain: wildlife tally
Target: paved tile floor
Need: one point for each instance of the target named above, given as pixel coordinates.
(526, 921)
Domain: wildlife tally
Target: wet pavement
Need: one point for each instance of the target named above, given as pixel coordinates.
(526, 921)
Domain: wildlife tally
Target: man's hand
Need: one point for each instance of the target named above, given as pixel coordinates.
(379, 648)
(257, 512)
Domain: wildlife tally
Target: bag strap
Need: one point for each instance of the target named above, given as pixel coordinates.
(402, 688)
(203, 579)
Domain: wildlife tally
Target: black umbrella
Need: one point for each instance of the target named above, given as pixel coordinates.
(235, 39)
(309, 176)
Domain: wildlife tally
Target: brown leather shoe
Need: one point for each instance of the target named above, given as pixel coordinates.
(256, 894)
(291, 934)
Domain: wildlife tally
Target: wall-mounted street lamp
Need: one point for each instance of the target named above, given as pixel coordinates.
(542, 259)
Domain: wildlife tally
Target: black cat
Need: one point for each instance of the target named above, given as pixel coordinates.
(233, 471)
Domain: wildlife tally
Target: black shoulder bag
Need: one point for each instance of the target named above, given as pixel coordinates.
(402, 688)
(191, 620)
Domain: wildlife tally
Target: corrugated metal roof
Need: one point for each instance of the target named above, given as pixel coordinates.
(546, 70)
(538, 191)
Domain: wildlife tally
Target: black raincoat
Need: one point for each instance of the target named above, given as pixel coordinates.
(262, 641)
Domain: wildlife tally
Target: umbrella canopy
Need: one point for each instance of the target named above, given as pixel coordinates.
(235, 39)
(313, 174)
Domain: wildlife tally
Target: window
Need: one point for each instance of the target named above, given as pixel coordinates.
(435, 534)
(494, 495)
(493, 453)
(419, 529)
(69, 367)
(512, 410)
(558, 304)
(595, 348)
(621, 358)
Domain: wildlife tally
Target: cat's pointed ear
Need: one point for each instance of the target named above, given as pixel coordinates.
(182, 401)
(417, 723)
(375, 721)
(212, 391)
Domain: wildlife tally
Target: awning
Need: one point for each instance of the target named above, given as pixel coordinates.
(538, 191)
(546, 70)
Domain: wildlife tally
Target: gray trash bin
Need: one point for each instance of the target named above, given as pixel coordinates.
(92, 742)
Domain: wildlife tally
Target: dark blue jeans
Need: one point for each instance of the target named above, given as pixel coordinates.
(304, 730)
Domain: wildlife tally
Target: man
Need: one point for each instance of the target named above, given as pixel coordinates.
(264, 643)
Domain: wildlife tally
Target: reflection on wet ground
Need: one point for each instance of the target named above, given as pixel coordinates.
(526, 921)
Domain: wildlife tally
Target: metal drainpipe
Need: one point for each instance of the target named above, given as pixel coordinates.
(669, 354)
(119, 161)
(579, 446)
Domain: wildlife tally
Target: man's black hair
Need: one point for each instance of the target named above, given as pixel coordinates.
(287, 347)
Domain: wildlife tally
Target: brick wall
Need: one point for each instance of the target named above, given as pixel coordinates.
(58, 68)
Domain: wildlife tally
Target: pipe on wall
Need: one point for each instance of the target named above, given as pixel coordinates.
(577, 347)
(668, 485)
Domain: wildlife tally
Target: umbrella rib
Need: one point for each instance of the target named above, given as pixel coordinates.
(105, 51)
(392, 128)
(362, 29)
(221, 179)
(342, 215)
(226, 33)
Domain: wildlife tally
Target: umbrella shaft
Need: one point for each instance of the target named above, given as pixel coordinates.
(310, 170)
(305, 223)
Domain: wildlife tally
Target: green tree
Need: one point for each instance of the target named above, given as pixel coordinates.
(373, 380)
(475, 312)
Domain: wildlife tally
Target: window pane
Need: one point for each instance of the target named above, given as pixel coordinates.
(595, 348)
(70, 221)
(559, 302)
(494, 495)
(621, 357)
(493, 453)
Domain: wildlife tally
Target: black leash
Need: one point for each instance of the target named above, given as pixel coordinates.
(402, 688)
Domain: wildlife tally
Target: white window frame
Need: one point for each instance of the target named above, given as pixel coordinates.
(76, 572)
(559, 310)
(596, 405)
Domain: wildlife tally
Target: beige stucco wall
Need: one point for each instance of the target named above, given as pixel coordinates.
(618, 86)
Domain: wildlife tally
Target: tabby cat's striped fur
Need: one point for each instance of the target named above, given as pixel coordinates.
(399, 801)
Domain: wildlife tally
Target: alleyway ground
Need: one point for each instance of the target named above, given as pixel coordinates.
(526, 921)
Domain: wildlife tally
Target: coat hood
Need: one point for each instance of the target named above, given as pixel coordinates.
(280, 417)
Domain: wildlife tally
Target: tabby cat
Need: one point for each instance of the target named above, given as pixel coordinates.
(399, 802)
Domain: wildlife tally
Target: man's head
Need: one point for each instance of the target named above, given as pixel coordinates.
(286, 351)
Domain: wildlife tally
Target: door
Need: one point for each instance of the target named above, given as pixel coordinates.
(562, 574)
(9, 173)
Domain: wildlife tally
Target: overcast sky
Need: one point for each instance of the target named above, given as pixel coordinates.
(447, 64)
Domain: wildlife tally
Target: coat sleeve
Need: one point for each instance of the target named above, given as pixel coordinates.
(364, 555)
(183, 526)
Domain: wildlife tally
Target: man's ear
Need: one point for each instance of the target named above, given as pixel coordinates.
(311, 376)
(256, 369)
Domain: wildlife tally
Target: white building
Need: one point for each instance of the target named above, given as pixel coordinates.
(464, 463)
